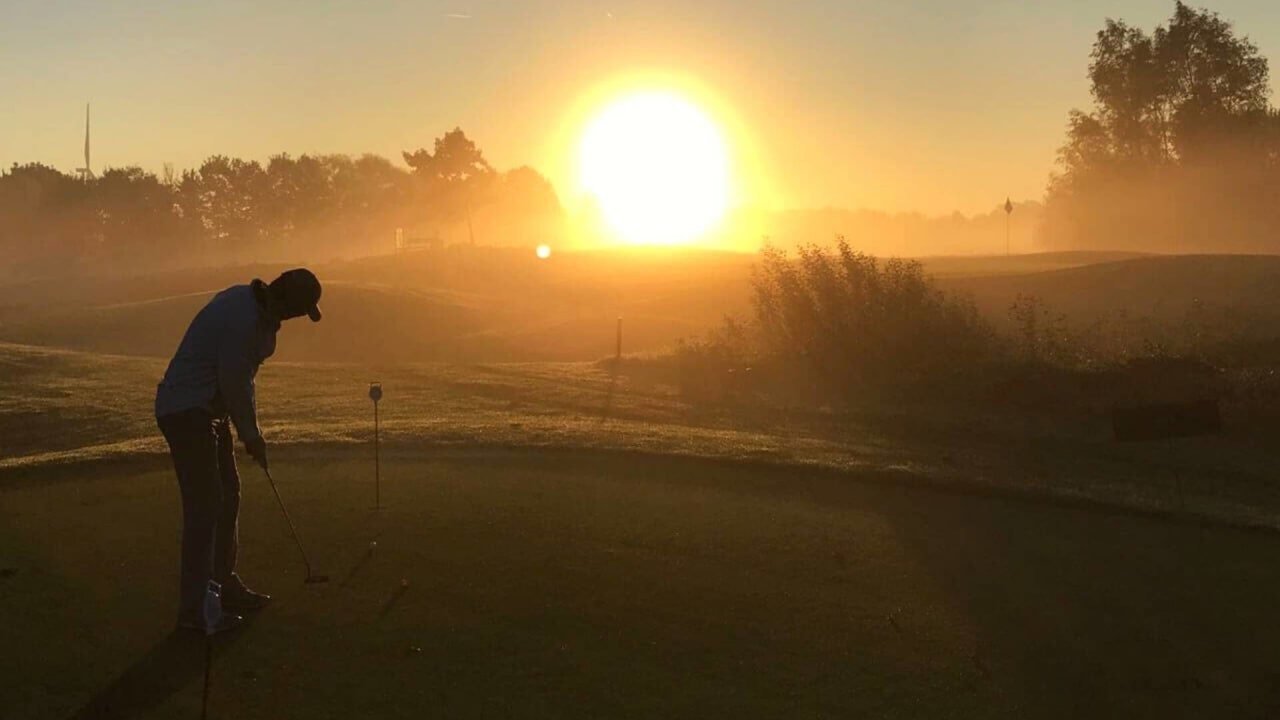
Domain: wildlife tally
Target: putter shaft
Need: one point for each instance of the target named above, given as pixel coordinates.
(292, 529)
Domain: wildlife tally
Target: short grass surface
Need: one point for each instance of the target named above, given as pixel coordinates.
(548, 583)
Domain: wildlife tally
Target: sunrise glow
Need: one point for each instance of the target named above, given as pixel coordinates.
(658, 168)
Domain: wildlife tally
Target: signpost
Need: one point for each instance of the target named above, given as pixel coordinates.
(375, 394)
(1008, 215)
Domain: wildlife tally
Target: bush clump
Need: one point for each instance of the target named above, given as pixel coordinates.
(840, 325)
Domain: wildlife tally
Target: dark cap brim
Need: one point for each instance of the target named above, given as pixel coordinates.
(314, 313)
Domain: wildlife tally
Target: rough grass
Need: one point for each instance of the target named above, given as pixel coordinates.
(478, 304)
(61, 407)
(555, 584)
(1161, 288)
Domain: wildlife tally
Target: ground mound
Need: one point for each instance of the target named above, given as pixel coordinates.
(1158, 287)
(486, 305)
(505, 305)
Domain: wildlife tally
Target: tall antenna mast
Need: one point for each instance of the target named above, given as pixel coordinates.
(86, 172)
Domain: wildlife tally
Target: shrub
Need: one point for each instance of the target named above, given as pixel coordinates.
(720, 365)
(858, 325)
(834, 326)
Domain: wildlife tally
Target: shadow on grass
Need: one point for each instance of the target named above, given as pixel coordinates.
(173, 664)
(355, 569)
(391, 602)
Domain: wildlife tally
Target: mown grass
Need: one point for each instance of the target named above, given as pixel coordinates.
(581, 543)
(587, 584)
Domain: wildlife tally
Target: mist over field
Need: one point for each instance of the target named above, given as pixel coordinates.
(549, 359)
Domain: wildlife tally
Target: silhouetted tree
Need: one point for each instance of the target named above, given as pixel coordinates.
(47, 217)
(230, 209)
(524, 191)
(455, 175)
(1179, 143)
(137, 217)
(370, 198)
(225, 196)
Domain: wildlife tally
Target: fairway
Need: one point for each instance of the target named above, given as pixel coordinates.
(595, 584)
(640, 360)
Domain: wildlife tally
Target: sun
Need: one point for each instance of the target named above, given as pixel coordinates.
(658, 168)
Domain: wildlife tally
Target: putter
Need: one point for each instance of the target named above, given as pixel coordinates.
(312, 578)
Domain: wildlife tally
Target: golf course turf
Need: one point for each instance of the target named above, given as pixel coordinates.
(546, 583)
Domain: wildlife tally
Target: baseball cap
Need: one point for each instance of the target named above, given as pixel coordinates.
(300, 291)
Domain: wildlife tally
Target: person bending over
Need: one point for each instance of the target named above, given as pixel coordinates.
(208, 386)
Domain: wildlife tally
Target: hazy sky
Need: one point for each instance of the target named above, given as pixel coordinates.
(935, 105)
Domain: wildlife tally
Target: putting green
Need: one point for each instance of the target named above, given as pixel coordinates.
(565, 584)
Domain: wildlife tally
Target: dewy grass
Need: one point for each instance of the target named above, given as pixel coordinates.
(578, 584)
(61, 407)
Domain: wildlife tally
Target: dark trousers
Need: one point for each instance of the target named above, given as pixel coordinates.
(204, 458)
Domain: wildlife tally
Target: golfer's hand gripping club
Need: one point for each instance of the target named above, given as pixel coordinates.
(257, 449)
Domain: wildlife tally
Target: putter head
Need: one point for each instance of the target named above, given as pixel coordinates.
(316, 579)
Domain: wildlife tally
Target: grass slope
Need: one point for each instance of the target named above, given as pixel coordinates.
(504, 305)
(1160, 287)
(487, 304)
(996, 265)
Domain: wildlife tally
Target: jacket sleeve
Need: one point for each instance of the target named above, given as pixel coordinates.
(237, 366)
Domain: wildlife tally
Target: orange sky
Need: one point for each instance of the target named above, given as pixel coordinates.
(921, 105)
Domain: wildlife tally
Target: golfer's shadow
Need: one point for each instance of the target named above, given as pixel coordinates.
(355, 570)
(177, 662)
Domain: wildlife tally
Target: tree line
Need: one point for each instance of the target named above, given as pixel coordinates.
(290, 208)
(1180, 152)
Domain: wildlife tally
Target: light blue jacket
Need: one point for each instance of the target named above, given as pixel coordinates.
(218, 359)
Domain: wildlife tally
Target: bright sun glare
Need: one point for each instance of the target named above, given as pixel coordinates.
(658, 167)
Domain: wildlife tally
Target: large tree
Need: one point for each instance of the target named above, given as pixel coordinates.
(225, 196)
(46, 218)
(136, 215)
(1181, 139)
(455, 176)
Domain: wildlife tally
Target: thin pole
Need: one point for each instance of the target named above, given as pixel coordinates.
(1007, 251)
(377, 464)
(471, 233)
